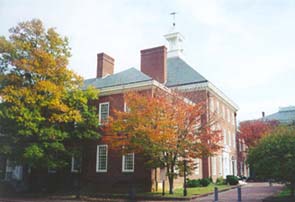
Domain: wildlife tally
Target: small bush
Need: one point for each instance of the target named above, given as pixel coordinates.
(220, 181)
(232, 180)
(242, 178)
(211, 180)
(205, 182)
(193, 183)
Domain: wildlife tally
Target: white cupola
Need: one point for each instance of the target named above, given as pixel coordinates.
(175, 40)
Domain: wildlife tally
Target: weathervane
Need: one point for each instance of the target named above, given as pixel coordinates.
(173, 13)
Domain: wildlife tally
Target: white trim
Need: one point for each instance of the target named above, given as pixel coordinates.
(123, 164)
(208, 86)
(99, 112)
(234, 140)
(198, 164)
(220, 165)
(73, 165)
(97, 160)
(224, 137)
(214, 166)
(138, 86)
(126, 108)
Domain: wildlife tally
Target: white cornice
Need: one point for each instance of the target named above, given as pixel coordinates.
(219, 93)
(213, 89)
(133, 86)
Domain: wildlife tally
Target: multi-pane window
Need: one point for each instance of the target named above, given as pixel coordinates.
(126, 108)
(213, 159)
(233, 118)
(197, 166)
(128, 162)
(234, 140)
(217, 107)
(220, 165)
(212, 107)
(102, 158)
(229, 138)
(76, 164)
(103, 112)
(241, 168)
(224, 136)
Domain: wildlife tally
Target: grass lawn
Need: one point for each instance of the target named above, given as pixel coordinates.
(285, 192)
(190, 191)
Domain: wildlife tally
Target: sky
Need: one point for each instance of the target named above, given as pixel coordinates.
(246, 48)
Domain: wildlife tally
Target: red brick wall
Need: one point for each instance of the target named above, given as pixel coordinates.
(114, 179)
(105, 65)
(201, 96)
(154, 63)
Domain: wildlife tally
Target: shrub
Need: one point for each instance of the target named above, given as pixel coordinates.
(232, 180)
(205, 182)
(193, 183)
(211, 180)
(220, 181)
(242, 178)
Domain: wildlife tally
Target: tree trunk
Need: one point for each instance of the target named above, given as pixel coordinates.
(171, 179)
(156, 179)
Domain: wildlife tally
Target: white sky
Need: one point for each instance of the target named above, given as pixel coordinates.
(246, 47)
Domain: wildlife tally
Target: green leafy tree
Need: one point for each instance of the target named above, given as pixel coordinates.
(274, 156)
(44, 113)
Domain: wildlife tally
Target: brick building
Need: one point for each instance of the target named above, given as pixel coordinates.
(164, 70)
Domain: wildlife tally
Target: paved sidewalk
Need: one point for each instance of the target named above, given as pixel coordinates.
(252, 192)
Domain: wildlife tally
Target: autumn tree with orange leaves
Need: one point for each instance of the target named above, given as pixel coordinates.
(252, 131)
(165, 127)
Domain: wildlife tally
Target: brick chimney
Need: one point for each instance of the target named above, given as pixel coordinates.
(105, 65)
(154, 63)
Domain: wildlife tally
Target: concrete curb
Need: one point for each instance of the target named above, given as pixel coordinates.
(160, 198)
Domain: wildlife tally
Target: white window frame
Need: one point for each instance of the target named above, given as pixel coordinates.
(126, 108)
(217, 106)
(197, 169)
(233, 118)
(97, 159)
(212, 107)
(234, 140)
(220, 165)
(214, 166)
(99, 113)
(224, 137)
(73, 170)
(229, 139)
(123, 164)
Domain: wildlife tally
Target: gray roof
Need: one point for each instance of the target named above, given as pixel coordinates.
(180, 73)
(128, 76)
(284, 115)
